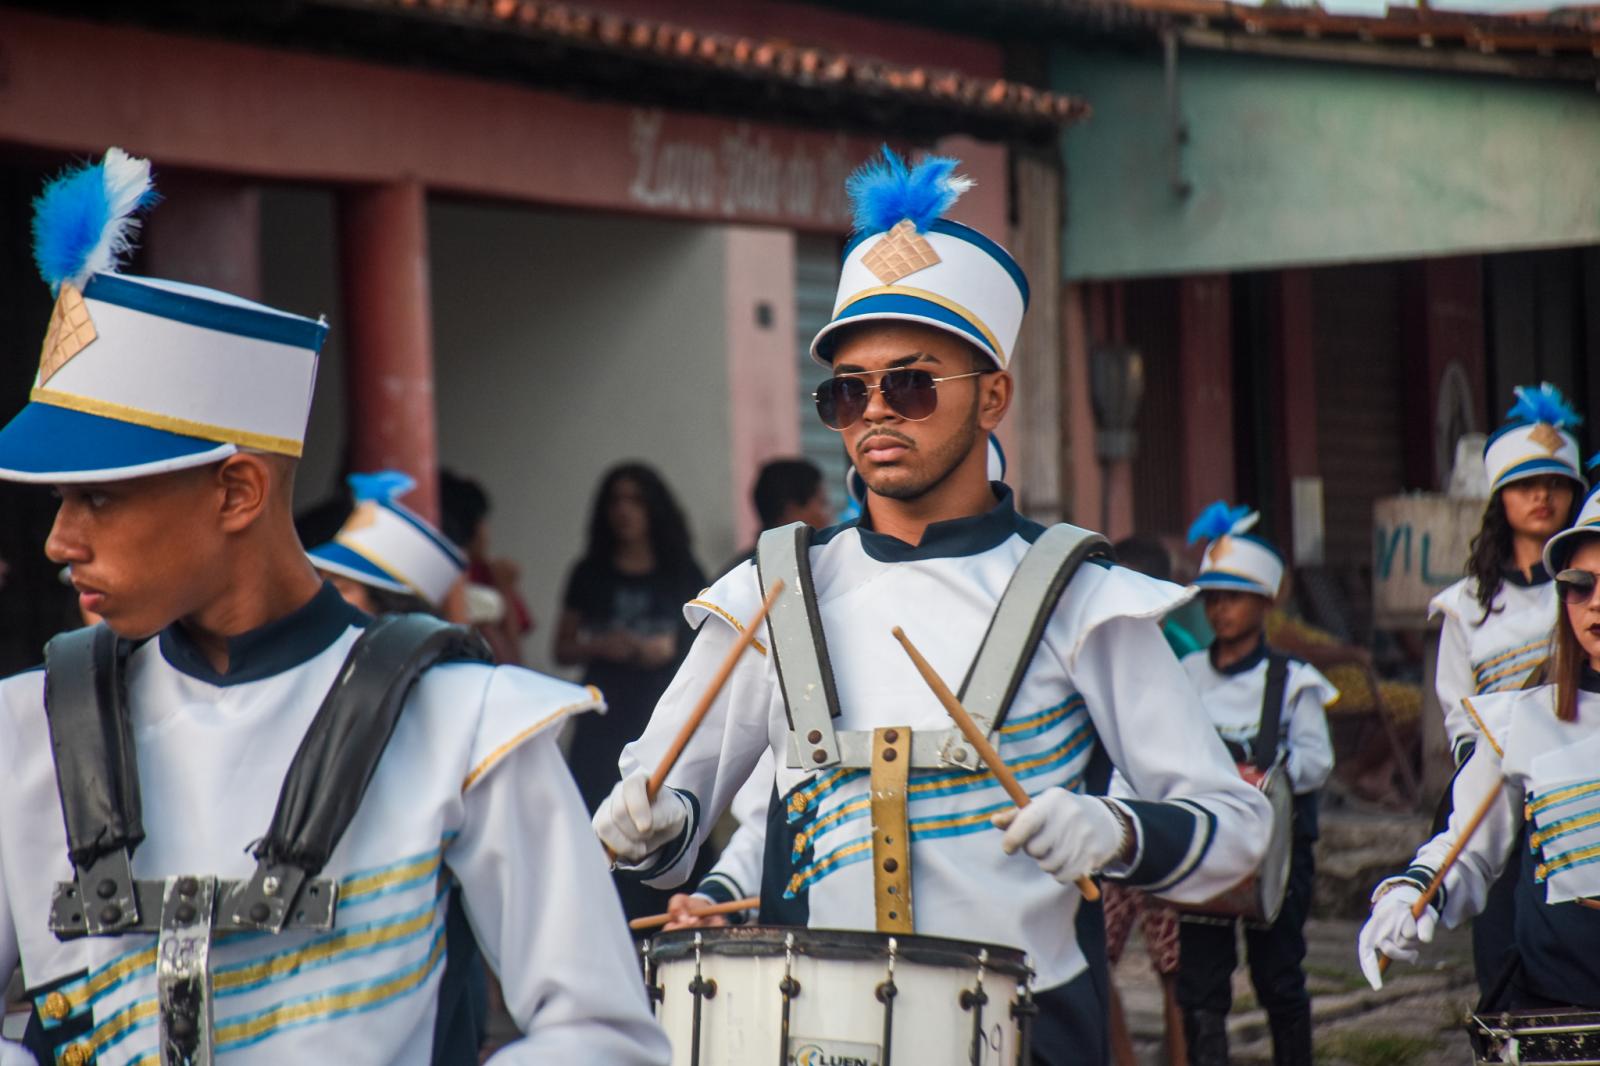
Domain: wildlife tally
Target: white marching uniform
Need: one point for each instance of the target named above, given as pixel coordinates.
(1545, 773)
(1233, 698)
(1102, 690)
(471, 784)
(1480, 654)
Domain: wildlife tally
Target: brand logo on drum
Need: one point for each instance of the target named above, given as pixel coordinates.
(832, 1053)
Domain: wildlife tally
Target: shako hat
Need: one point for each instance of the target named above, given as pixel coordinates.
(1236, 559)
(1558, 549)
(141, 376)
(1536, 440)
(908, 263)
(388, 546)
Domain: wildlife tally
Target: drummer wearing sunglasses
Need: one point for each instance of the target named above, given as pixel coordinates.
(1535, 775)
(920, 350)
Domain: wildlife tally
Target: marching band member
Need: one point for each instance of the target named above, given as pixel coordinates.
(169, 418)
(386, 558)
(1266, 707)
(919, 345)
(1496, 621)
(1534, 772)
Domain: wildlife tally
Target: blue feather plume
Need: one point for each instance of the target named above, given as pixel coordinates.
(883, 192)
(83, 221)
(1544, 404)
(384, 486)
(1219, 520)
(1593, 463)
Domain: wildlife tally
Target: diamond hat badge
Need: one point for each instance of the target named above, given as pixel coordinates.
(900, 253)
(71, 330)
(1547, 437)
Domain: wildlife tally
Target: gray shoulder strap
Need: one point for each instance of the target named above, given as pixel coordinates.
(1020, 619)
(799, 647)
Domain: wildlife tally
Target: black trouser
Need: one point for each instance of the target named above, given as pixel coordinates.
(1494, 929)
(1070, 1028)
(1207, 955)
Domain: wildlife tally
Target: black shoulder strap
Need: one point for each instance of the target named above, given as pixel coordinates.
(1020, 618)
(97, 772)
(340, 752)
(1266, 743)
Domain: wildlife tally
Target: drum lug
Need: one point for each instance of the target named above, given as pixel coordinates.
(972, 999)
(790, 989)
(886, 991)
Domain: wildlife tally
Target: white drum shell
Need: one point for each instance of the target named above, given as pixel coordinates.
(837, 1006)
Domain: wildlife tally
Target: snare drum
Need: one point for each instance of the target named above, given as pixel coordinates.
(1259, 897)
(1530, 1038)
(822, 997)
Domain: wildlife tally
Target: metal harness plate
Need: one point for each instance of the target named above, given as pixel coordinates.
(183, 970)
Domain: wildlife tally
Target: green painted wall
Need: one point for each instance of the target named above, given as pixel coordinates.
(1298, 163)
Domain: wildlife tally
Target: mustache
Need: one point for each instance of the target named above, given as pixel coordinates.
(878, 434)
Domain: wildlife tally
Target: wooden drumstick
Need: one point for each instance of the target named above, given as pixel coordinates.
(1450, 858)
(747, 637)
(656, 921)
(979, 742)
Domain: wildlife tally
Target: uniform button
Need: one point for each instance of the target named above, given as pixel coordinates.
(892, 736)
(76, 1055)
(106, 888)
(889, 755)
(819, 756)
(110, 914)
(890, 866)
(814, 737)
(56, 1007)
(188, 886)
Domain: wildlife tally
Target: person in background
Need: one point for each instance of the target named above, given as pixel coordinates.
(1157, 921)
(787, 490)
(1268, 709)
(622, 622)
(1532, 780)
(388, 560)
(491, 600)
(1497, 620)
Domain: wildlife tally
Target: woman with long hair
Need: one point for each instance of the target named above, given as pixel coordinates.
(1537, 768)
(1496, 620)
(622, 615)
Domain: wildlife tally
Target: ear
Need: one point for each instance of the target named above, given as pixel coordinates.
(246, 484)
(994, 399)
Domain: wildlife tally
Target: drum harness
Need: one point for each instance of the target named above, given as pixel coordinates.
(800, 653)
(98, 779)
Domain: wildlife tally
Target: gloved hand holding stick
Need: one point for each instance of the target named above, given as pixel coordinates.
(979, 742)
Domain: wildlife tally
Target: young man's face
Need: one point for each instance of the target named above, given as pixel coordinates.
(1234, 615)
(900, 458)
(142, 551)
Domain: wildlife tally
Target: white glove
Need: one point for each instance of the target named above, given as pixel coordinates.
(1069, 835)
(1393, 931)
(633, 827)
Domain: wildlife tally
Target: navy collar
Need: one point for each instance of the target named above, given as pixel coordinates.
(1249, 662)
(278, 646)
(1512, 576)
(1589, 680)
(955, 537)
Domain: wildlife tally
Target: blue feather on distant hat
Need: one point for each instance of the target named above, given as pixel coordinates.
(1219, 520)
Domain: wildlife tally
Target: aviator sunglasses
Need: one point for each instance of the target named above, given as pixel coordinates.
(910, 393)
(1576, 586)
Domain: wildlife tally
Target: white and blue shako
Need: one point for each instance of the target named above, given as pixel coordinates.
(1536, 440)
(1558, 549)
(908, 263)
(141, 376)
(1236, 559)
(386, 545)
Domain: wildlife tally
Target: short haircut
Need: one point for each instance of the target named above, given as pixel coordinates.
(463, 505)
(1146, 555)
(783, 482)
